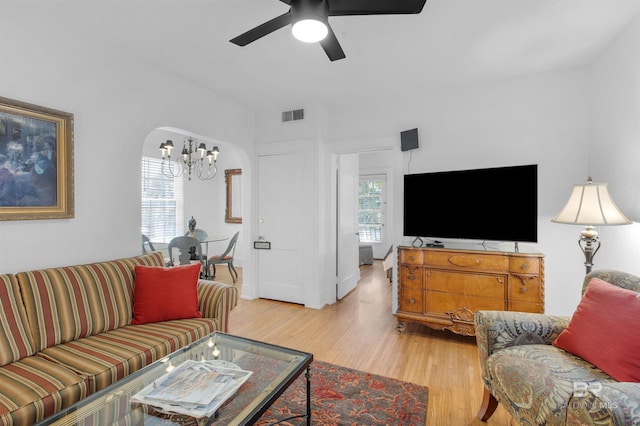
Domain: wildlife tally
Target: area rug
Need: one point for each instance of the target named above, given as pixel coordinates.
(339, 397)
(343, 396)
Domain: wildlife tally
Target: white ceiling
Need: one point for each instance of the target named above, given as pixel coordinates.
(451, 42)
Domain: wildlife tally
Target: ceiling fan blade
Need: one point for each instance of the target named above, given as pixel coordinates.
(262, 30)
(331, 46)
(374, 7)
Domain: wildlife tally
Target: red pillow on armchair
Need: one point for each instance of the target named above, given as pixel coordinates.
(163, 294)
(602, 330)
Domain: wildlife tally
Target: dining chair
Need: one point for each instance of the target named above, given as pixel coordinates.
(184, 246)
(225, 257)
(147, 245)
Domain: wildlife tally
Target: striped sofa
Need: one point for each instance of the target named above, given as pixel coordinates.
(65, 333)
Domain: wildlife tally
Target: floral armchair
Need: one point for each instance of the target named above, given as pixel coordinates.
(540, 384)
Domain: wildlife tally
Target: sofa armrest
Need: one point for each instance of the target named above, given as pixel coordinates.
(496, 330)
(216, 300)
(610, 403)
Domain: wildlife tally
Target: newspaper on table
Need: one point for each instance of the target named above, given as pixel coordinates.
(194, 388)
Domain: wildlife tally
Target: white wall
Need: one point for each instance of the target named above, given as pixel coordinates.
(544, 119)
(117, 101)
(614, 149)
(540, 119)
(572, 123)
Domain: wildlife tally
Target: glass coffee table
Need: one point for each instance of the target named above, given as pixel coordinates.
(273, 369)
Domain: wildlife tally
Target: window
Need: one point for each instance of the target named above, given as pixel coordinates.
(162, 200)
(371, 208)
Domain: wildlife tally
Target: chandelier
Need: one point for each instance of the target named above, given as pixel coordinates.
(203, 166)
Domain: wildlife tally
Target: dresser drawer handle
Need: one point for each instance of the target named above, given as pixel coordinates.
(412, 277)
(412, 301)
(411, 257)
(500, 280)
(524, 266)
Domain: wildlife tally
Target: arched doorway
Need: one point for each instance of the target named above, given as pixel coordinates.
(205, 200)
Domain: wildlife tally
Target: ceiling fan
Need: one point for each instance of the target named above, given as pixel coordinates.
(310, 20)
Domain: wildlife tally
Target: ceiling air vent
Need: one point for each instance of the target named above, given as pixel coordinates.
(293, 115)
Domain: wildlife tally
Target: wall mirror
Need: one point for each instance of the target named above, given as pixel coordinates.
(233, 179)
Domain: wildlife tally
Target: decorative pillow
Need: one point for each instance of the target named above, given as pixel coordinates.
(603, 330)
(163, 294)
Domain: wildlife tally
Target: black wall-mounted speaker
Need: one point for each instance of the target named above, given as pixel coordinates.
(409, 139)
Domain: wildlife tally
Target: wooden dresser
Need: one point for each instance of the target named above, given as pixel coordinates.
(444, 287)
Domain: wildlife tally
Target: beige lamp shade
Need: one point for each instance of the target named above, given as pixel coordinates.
(591, 204)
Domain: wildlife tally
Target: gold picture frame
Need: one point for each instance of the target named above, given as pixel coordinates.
(232, 177)
(36, 162)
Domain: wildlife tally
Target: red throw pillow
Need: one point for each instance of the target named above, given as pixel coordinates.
(602, 330)
(163, 294)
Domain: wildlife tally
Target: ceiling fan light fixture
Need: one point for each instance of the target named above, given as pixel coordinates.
(309, 20)
(309, 30)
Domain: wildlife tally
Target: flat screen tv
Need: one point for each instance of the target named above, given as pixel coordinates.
(493, 204)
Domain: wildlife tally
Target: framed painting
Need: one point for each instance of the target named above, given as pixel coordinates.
(233, 178)
(36, 162)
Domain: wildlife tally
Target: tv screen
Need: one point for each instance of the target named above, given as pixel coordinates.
(495, 204)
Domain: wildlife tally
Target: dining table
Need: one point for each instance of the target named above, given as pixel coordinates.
(204, 244)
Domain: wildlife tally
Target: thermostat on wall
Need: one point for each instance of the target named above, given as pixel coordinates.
(262, 245)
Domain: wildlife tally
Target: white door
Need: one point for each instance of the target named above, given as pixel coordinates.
(348, 242)
(284, 212)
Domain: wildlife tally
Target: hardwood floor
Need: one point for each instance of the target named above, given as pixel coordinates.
(359, 332)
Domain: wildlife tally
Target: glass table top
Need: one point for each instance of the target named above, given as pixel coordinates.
(273, 369)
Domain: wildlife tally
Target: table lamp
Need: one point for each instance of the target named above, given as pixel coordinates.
(590, 204)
